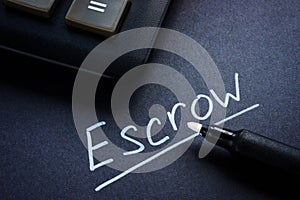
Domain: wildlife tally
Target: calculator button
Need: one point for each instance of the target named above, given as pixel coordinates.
(40, 7)
(98, 16)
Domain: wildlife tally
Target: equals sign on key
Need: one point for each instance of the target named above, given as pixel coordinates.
(97, 6)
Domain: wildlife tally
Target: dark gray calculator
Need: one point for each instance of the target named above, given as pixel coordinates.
(64, 32)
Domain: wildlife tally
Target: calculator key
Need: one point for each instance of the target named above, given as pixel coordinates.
(98, 16)
(40, 7)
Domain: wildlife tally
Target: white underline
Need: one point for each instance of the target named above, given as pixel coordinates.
(168, 149)
(145, 162)
(237, 114)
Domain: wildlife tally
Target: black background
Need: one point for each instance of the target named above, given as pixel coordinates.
(42, 156)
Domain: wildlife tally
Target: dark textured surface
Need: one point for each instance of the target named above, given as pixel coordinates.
(43, 158)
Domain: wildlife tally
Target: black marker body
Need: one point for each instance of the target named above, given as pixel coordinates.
(248, 144)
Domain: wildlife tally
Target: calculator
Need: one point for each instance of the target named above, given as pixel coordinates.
(64, 32)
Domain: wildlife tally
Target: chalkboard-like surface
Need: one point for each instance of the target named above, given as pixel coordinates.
(42, 156)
